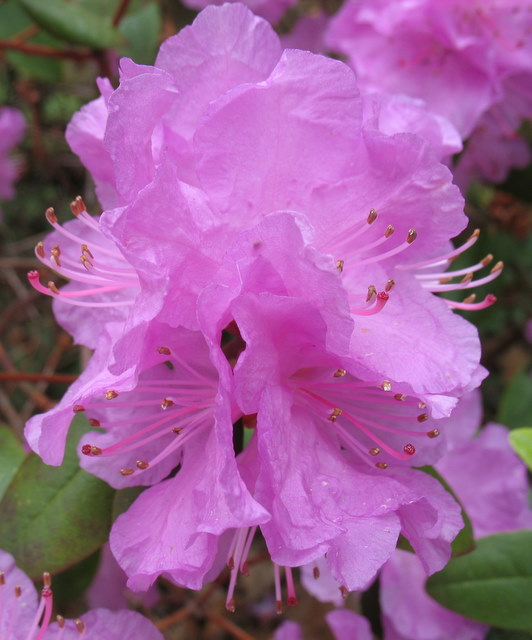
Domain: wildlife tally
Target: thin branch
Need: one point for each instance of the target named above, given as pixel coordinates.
(45, 50)
(120, 12)
(22, 376)
(228, 626)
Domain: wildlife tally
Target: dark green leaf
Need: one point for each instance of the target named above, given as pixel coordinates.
(464, 541)
(73, 23)
(521, 441)
(54, 517)
(516, 404)
(11, 457)
(73, 582)
(124, 499)
(507, 634)
(141, 30)
(492, 584)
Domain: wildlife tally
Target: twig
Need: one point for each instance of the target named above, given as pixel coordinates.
(45, 50)
(19, 376)
(120, 12)
(228, 626)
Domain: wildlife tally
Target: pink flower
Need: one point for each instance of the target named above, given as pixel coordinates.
(24, 617)
(12, 127)
(344, 624)
(466, 60)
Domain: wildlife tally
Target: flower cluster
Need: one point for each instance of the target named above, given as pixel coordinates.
(25, 616)
(469, 61)
(269, 257)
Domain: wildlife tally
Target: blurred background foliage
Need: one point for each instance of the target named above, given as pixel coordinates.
(49, 60)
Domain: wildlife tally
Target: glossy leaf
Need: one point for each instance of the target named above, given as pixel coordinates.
(521, 441)
(492, 584)
(54, 517)
(141, 30)
(73, 23)
(516, 403)
(11, 457)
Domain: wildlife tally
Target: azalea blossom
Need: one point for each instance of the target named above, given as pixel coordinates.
(470, 62)
(25, 616)
(12, 126)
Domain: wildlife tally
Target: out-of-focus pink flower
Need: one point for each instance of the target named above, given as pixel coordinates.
(344, 624)
(272, 10)
(24, 617)
(465, 59)
(12, 127)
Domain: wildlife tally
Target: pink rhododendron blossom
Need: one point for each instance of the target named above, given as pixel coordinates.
(272, 10)
(23, 616)
(218, 146)
(344, 624)
(470, 61)
(11, 130)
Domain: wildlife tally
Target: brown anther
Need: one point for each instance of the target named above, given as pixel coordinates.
(445, 280)
(411, 236)
(39, 249)
(278, 607)
(95, 451)
(339, 373)
(475, 234)
(334, 414)
(142, 464)
(400, 397)
(86, 251)
(344, 592)
(498, 267)
(18, 591)
(55, 255)
(53, 288)
(485, 261)
(389, 285)
(372, 216)
(467, 278)
(46, 579)
(316, 572)
(111, 394)
(77, 206)
(389, 231)
(231, 563)
(423, 417)
(60, 621)
(86, 262)
(78, 408)
(127, 472)
(177, 430)
(50, 215)
(2, 578)
(381, 465)
(386, 385)
(374, 452)
(230, 606)
(94, 423)
(470, 298)
(421, 405)
(80, 626)
(340, 265)
(372, 292)
(433, 434)
(167, 403)
(164, 351)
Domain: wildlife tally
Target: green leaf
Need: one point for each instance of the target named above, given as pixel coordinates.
(54, 517)
(11, 457)
(521, 441)
(464, 541)
(492, 584)
(141, 30)
(73, 23)
(124, 499)
(73, 582)
(516, 404)
(507, 634)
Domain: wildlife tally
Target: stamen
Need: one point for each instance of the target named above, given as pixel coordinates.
(433, 434)
(291, 599)
(409, 449)
(39, 250)
(344, 592)
(372, 216)
(386, 385)
(127, 472)
(77, 206)
(164, 351)
(316, 572)
(381, 465)
(111, 394)
(340, 265)
(334, 414)
(339, 373)
(390, 229)
(389, 285)
(142, 464)
(50, 215)
(374, 452)
(423, 417)
(78, 408)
